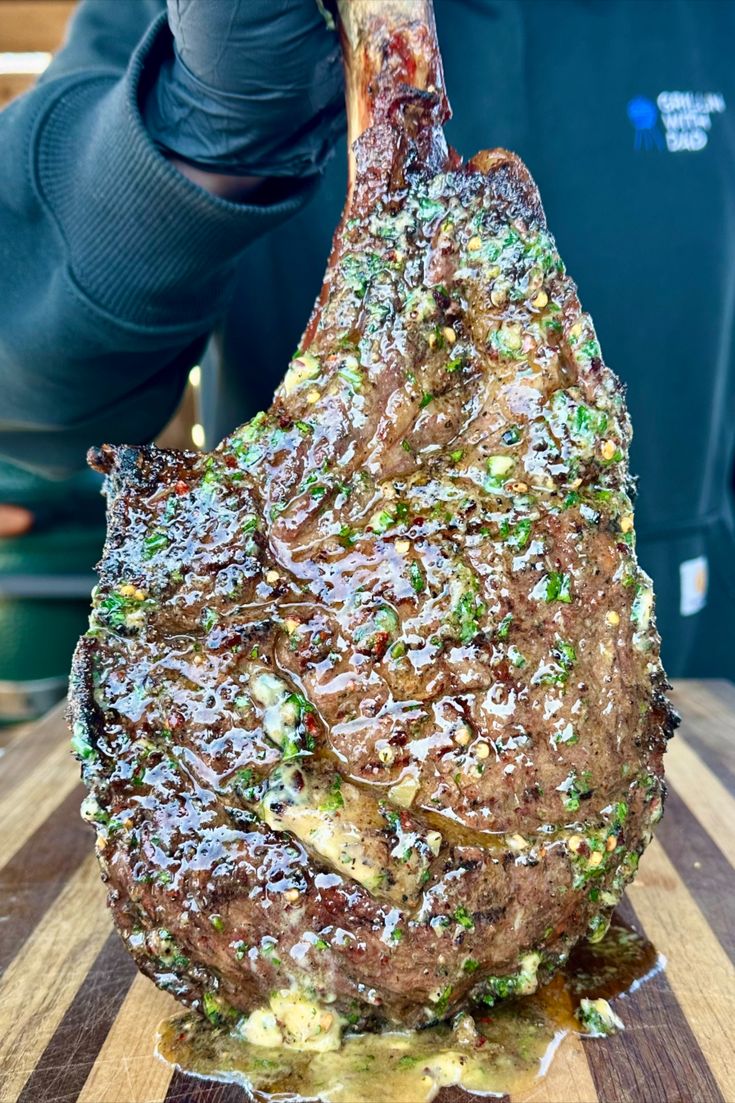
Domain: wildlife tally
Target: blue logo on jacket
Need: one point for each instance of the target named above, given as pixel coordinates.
(643, 114)
(679, 122)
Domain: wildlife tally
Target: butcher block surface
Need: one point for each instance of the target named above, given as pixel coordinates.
(78, 1023)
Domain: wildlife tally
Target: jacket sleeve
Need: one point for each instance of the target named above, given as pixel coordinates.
(115, 267)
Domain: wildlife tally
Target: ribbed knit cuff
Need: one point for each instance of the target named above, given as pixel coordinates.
(144, 243)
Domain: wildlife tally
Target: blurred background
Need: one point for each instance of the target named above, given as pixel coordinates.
(47, 573)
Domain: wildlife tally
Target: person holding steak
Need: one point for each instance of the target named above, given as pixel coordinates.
(169, 198)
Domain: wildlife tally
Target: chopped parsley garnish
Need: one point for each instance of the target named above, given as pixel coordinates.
(209, 618)
(334, 799)
(464, 919)
(466, 615)
(554, 586)
(80, 745)
(375, 636)
(504, 627)
(415, 574)
(429, 208)
(442, 1002)
(359, 270)
(154, 542)
(382, 521)
(575, 788)
(346, 536)
(117, 607)
(269, 951)
(521, 534)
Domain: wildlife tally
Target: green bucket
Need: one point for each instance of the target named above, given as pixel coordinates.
(45, 583)
(46, 577)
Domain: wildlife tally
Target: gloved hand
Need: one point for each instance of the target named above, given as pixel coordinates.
(253, 87)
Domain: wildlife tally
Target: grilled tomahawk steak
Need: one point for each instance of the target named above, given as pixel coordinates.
(371, 703)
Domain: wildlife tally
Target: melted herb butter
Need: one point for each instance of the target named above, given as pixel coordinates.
(341, 823)
(412, 1066)
(501, 1053)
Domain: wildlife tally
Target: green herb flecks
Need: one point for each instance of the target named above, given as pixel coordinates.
(442, 1001)
(269, 950)
(154, 542)
(122, 608)
(467, 614)
(350, 372)
(499, 469)
(346, 536)
(416, 577)
(554, 586)
(520, 535)
(216, 1010)
(375, 636)
(246, 785)
(504, 627)
(598, 1018)
(556, 672)
(507, 341)
(334, 799)
(301, 741)
(359, 271)
(80, 744)
(209, 618)
(429, 208)
(464, 919)
(574, 788)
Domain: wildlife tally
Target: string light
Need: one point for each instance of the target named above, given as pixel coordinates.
(25, 64)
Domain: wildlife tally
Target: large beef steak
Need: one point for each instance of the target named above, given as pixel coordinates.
(371, 702)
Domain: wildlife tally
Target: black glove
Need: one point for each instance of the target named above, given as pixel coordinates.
(252, 87)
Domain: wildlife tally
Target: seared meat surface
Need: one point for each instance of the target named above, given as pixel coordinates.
(371, 702)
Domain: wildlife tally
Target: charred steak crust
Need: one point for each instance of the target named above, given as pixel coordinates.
(371, 699)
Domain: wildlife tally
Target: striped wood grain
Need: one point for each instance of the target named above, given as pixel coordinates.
(77, 1023)
(127, 1071)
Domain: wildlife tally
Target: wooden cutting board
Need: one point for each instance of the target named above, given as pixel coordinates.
(77, 1023)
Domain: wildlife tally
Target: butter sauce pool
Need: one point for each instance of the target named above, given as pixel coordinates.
(495, 1051)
